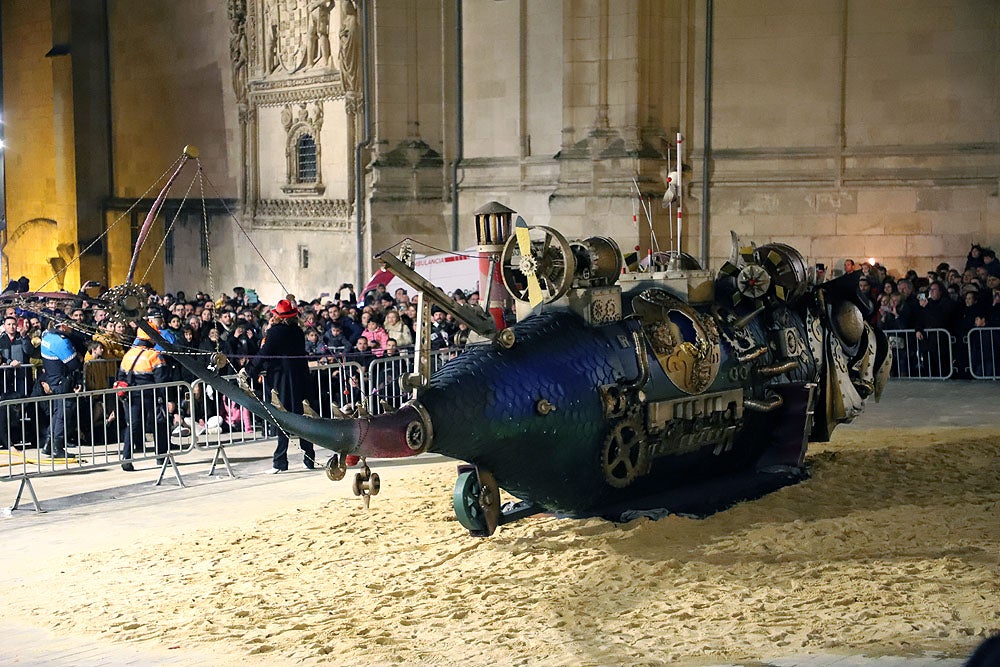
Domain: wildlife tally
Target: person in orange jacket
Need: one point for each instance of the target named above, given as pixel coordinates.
(143, 365)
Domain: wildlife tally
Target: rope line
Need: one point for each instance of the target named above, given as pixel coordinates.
(108, 230)
(429, 247)
(247, 235)
(166, 233)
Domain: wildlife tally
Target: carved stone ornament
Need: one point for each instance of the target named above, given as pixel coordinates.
(239, 51)
(294, 49)
(329, 214)
(296, 35)
(349, 51)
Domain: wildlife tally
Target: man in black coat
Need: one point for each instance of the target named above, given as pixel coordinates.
(937, 311)
(282, 361)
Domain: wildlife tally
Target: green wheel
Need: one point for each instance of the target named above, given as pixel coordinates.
(466, 502)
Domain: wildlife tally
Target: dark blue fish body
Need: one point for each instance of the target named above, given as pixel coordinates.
(484, 406)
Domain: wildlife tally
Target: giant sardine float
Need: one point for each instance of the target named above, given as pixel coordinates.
(660, 389)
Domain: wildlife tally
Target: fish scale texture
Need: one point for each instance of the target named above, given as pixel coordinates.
(483, 406)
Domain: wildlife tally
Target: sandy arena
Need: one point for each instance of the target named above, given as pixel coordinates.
(891, 548)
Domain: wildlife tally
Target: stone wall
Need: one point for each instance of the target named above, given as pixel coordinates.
(861, 130)
(847, 129)
(41, 233)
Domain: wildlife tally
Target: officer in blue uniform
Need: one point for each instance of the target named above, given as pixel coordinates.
(62, 366)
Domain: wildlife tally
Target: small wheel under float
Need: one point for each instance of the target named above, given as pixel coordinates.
(476, 501)
(336, 468)
(366, 484)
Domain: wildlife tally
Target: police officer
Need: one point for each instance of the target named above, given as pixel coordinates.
(62, 367)
(156, 317)
(282, 359)
(143, 365)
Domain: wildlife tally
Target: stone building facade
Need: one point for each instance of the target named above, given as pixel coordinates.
(331, 129)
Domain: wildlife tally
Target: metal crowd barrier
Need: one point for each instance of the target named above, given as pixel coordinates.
(93, 434)
(17, 380)
(343, 384)
(383, 377)
(170, 419)
(983, 346)
(215, 422)
(384, 373)
(927, 358)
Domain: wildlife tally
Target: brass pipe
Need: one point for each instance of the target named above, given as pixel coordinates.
(777, 369)
(752, 354)
(772, 402)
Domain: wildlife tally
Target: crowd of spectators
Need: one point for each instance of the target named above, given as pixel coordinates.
(952, 299)
(945, 298)
(235, 323)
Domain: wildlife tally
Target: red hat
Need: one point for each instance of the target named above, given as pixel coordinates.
(285, 310)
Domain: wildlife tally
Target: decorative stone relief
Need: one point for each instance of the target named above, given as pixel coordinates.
(294, 50)
(239, 52)
(350, 48)
(271, 94)
(333, 214)
(296, 35)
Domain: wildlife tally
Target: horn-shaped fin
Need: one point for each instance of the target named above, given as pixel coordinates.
(276, 400)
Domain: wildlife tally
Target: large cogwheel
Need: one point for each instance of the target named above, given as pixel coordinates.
(625, 454)
(128, 301)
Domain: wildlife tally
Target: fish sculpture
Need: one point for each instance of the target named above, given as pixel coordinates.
(666, 388)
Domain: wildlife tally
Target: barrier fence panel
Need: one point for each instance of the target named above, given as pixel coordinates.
(216, 422)
(921, 357)
(17, 381)
(384, 373)
(983, 345)
(440, 357)
(383, 378)
(343, 383)
(55, 434)
(213, 419)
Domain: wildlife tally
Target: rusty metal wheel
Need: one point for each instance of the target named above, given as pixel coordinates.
(625, 454)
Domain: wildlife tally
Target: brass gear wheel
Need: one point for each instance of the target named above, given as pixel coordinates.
(127, 302)
(625, 455)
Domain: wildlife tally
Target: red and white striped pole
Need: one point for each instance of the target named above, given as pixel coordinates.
(680, 191)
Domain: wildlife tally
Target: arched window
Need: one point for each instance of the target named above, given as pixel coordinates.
(303, 150)
(305, 157)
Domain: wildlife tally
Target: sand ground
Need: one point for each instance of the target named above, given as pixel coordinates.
(892, 547)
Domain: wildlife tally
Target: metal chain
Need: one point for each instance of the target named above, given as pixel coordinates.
(204, 227)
